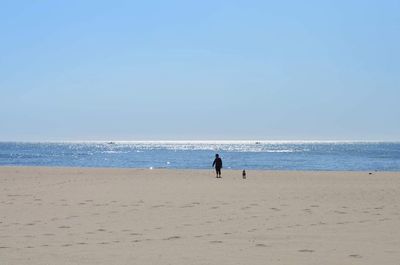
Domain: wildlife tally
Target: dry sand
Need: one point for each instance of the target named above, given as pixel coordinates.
(133, 216)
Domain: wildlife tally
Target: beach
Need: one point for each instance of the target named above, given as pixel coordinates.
(165, 216)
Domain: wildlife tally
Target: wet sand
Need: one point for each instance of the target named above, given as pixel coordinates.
(139, 216)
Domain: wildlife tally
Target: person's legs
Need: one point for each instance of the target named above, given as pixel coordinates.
(218, 172)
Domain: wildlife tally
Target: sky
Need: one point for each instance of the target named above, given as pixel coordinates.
(201, 70)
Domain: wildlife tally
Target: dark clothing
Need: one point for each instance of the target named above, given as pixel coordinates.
(217, 163)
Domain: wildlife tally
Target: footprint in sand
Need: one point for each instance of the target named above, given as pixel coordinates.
(187, 206)
(306, 250)
(72, 216)
(158, 206)
(172, 238)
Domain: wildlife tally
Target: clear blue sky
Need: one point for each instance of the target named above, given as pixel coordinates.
(130, 70)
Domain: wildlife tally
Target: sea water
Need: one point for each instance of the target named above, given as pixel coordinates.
(270, 155)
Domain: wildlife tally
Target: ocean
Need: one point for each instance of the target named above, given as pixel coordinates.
(269, 155)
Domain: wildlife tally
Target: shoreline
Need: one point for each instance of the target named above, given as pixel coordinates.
(191, 169)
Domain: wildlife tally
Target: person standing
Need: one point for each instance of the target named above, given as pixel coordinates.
(218, 165)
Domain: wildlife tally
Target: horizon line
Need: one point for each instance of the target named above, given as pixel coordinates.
(200, 141)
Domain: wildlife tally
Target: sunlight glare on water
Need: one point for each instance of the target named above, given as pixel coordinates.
(272, 155)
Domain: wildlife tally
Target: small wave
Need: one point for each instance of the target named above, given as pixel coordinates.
(282, 151)
(241, 148)
(113, 152)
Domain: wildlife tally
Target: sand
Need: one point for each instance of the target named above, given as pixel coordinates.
(139, 216)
